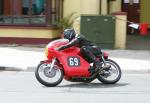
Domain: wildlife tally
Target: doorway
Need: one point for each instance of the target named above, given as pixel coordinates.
(134, 39)
(132, 7)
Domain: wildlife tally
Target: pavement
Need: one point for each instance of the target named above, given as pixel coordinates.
(27, 57)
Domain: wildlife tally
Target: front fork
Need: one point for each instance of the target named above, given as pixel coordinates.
(106, 66)
(52, 64)
(103, 60)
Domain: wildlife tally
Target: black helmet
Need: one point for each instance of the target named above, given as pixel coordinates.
(69, 34)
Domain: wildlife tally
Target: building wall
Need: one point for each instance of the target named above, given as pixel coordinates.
(71, 6)
(104, 7)
(115, 6)
(78, 6)
(90, 6)
(28, 33)
(81, 6)
(145, 14)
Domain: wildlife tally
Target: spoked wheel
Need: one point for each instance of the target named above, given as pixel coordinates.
(112, 75)
(47, 77)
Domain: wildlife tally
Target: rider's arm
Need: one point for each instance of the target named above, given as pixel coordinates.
(70, 44)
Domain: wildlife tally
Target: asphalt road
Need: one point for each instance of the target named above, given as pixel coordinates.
(22, 87)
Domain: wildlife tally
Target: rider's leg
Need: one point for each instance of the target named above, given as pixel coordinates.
(97, 50)
(87, 51)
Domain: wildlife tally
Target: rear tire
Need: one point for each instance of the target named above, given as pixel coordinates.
(106, 74)
(42, 70)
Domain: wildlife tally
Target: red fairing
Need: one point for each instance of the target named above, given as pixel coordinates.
(80, 68)
(53, 45)
(74, 65)
(57, 43)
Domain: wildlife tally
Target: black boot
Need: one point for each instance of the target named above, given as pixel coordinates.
(98, 65)
(106, 67)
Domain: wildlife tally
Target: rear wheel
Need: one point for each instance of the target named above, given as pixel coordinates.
(112, 75)
(46, 77)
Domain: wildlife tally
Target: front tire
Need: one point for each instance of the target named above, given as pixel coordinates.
(112, 75)
(49, 79)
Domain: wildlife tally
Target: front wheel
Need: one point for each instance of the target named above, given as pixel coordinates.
(46, 77)
(112, 75)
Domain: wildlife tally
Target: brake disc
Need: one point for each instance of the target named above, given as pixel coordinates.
(48, 73)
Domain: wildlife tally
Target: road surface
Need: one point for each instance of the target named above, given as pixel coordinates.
(22, 87)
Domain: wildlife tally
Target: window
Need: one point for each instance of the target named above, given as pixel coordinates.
(30, 12)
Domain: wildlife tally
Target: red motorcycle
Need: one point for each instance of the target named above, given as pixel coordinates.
(70, 65)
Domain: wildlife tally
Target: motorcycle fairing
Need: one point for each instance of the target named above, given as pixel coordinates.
(74, 65)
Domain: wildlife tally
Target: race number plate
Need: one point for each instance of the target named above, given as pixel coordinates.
(73, 61)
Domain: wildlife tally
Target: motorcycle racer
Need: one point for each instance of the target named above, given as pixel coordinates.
(87, 48)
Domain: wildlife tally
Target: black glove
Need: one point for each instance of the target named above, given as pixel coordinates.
(60, 48)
